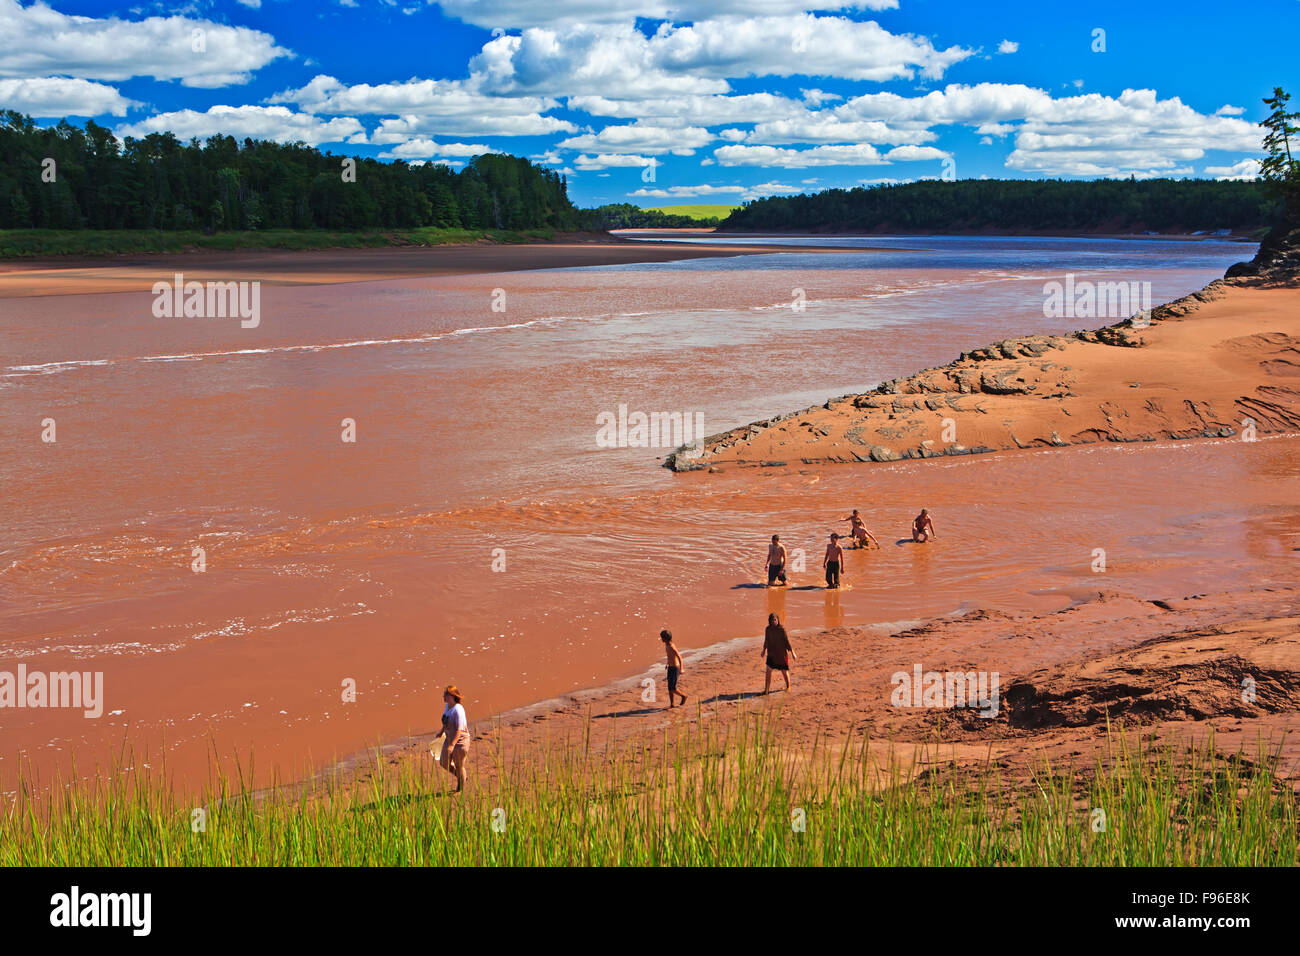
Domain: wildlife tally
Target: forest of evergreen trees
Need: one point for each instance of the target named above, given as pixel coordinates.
(159, 182)
(1102, 205)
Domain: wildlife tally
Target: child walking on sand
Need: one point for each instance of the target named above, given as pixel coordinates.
(455, 728)
(674, 666)
(777, 650)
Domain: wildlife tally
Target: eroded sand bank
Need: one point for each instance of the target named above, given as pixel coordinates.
(1210, 365)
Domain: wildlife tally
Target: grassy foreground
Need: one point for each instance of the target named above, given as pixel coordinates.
(30, 243)
(729, 797)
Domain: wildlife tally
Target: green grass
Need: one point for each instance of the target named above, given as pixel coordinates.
(727, 796)
(700, 211)
(29, 243)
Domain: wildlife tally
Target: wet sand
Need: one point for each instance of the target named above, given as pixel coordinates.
(70, 275)
(1161, 672)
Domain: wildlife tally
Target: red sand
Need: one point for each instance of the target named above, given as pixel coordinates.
(1170, 672)
(1203, 368)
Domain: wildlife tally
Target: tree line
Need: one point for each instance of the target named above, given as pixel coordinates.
(67, 177)
(936, 206)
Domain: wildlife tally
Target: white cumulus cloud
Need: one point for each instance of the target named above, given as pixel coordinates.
(425, 148)
(425, 107)
(614, 161)
(277, 123)
(841, 155)
(636, 138)
(1245, 169)
(58, 96)
(40, 41)
(516, 14)
(619, 61)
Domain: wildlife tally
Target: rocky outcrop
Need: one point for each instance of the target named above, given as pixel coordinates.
(1278, 259)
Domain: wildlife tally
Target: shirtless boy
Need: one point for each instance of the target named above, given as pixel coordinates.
(923, 527)
(775, 561)
(859, 531)
(833, 561)
(674, 663)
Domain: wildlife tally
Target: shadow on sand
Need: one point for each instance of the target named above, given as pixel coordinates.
(643, 712)
(404, 800)
(720, 698)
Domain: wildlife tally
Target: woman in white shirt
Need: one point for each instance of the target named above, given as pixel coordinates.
(455, 728)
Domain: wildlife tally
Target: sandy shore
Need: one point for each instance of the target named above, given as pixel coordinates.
(1169, 672)
(72, 275)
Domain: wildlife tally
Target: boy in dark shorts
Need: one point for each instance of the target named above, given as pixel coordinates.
(775, 561)
(833, 561)
(674, 666)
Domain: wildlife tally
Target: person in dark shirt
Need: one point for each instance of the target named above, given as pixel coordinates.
(777, 651)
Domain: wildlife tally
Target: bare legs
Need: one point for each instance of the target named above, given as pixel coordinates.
(453, 761)
(767, 680)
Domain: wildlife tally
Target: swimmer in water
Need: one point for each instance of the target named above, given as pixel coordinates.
(861, 536)
(923, 527)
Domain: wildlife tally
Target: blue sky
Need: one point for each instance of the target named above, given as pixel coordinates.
(665, 101)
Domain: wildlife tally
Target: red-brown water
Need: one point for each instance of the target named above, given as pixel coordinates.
(377, 561)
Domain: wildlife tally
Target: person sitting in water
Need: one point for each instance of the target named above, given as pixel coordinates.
(923, 527)
(775, 561)
(833, 561)
(861, 536)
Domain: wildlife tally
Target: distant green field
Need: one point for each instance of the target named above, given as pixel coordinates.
(698, 212)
